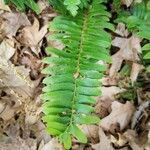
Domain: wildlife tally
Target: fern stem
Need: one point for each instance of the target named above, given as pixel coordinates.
(77, 75)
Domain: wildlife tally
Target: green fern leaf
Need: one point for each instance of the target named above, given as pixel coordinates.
(21, 5)
(72, 6)
(74, 73)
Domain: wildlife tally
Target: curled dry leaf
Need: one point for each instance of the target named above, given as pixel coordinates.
(32, 35)
(105, 142)
(120, 115)
(11, 23)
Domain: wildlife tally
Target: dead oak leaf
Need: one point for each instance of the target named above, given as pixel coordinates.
(105, 142)
(104, 102)
(32, 35)
(121, 114)
(129, 50)
(11, 76)
(12, 22)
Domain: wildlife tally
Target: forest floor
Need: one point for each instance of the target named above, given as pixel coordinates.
(123, 108)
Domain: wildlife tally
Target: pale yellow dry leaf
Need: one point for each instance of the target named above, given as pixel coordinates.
(121, 114)
(127, 2)
(3, 6)
(105, 143)
(12, 22)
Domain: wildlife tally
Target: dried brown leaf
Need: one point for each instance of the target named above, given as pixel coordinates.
(12, 22)
(91, 131)
(120, 115)
(129, 50)
(104, 102)
(32, 35)
(105, 142)
(17, 143)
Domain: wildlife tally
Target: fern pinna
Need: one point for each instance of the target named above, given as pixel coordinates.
(71, 5)
(21, 4)
(74, 73)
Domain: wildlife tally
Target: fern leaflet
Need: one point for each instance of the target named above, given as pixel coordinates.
(21, 4)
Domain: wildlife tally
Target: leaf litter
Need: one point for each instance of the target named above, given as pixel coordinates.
(22, 38)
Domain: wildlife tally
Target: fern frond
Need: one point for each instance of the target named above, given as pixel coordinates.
(71, 5)
(74, 72)
(21, 5)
